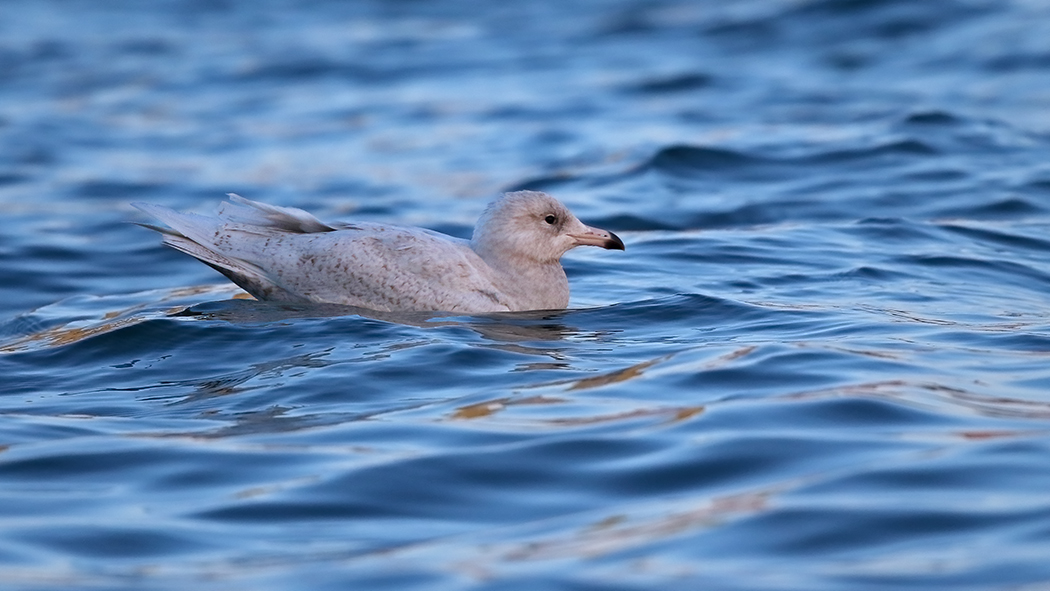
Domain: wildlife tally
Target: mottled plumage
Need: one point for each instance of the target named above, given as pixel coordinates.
(285, 254)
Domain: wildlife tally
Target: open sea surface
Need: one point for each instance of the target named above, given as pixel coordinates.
(823, 361)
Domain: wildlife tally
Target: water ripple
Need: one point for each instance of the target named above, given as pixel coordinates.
(820, 364)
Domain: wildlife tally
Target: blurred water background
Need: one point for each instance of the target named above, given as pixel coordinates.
(823, 361)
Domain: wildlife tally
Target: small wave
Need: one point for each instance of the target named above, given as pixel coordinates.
(995, 271)
(687, 160)
(1000, 236)
(907, 147)
(703, 161)
(300, 68)
(933, 118)
(11, 178)
(1008, 207)
(81, 318)
(671, 84)
(1013, 62)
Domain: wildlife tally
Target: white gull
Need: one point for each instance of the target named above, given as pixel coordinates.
(511, 263)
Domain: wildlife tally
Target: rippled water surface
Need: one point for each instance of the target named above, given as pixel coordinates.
(823, 361)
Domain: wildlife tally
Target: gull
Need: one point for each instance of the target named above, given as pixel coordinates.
(284, 254)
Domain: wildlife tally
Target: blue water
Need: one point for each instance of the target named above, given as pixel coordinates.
(823, 361)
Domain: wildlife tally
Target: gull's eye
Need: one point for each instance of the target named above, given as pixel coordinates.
(551, 219)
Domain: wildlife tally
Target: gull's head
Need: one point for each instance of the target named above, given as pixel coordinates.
(533, 226)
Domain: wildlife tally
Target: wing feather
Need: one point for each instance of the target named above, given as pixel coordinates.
(285, 254)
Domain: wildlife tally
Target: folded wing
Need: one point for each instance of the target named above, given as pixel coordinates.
(286, 254)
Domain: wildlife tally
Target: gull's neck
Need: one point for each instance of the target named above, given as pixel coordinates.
(532, 285)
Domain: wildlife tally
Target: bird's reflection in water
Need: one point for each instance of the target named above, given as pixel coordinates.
(503, 327)
(238, 381)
